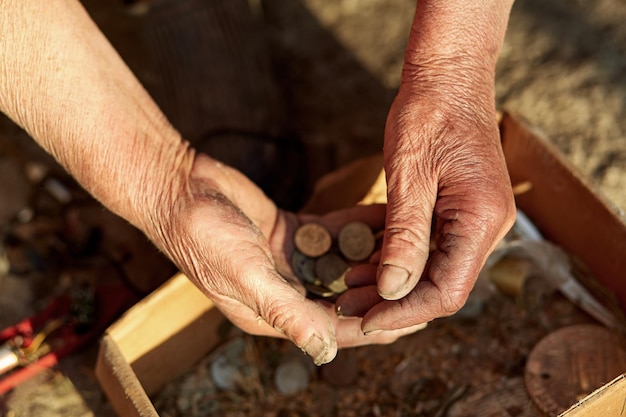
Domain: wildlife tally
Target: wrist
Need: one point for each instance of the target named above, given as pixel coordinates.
(455, 44)
(447, 91)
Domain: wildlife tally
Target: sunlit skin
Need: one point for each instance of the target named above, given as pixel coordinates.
(63, 82)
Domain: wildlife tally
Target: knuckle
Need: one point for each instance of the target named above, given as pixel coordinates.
(283, 318)
(406, 237)
(453, 301)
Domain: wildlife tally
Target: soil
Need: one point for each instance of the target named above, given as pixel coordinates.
(336, 64)
(471, 364)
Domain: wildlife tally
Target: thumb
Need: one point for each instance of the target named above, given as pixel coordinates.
(406, 240)
(230, 260)
(301, 320)
(272, 307)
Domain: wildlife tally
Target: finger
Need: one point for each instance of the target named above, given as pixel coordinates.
(375, 258)
(464, 240)
(406, 240)
(276, 308)
(357, 301)
(304, 323)
(424, 303)
(372, 215)
(289, 312)
(349, 333)
(233, 265)
(360, 275)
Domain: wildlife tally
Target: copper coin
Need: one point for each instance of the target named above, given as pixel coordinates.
(312, 239)
(356, 241)
(570, 363)
(331, 269)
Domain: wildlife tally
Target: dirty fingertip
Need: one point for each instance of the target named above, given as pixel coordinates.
(320, 350)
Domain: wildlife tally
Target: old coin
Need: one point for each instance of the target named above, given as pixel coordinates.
(572, 362)
(331, 270)
(304, 267)
(318, 290)
(356, 241)
(312, 239)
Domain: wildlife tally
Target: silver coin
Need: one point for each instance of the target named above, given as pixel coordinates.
(303, 267)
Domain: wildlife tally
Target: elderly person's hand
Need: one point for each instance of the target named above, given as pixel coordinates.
(446, 175)
(234, 243)
(62, 81)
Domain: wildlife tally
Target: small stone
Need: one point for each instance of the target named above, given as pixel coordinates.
(226, 369)
(313, 239)
(509, 275)
(35, 171)
(58, 190)
(356, 241)
(291, 377)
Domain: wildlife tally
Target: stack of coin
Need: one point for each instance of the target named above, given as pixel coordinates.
(320, 264)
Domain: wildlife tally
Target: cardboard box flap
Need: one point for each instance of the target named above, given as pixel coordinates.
(169, 331)
(607, 401)
(157, 340)
(120, 382)
(564, 207)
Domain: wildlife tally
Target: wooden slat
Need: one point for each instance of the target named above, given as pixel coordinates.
(119, 382)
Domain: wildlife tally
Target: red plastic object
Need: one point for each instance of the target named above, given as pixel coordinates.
(111, 301)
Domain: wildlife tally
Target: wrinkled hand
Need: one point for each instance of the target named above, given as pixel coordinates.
(444, 169)
(233, 242)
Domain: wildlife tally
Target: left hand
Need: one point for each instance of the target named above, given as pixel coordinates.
(445, 168)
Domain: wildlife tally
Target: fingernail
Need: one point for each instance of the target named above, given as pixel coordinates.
(317, 349)
(395, 278)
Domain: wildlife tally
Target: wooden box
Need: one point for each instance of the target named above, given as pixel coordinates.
(173, 328)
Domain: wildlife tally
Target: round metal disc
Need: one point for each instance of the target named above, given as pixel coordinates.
(330, 267)
(570, 363)
(313, 239)
(356, 241)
